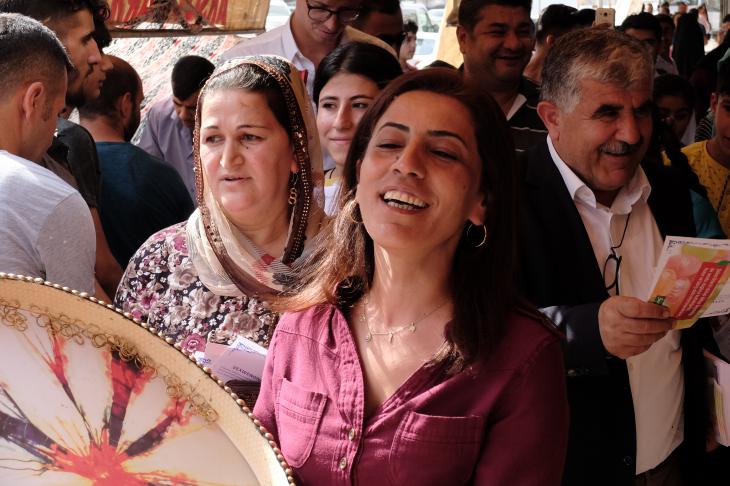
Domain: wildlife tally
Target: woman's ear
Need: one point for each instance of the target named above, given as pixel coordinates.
(478, 214)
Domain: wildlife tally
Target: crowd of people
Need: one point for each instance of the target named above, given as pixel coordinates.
(447, 265)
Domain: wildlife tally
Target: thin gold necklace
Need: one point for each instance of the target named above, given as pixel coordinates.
(410, 327)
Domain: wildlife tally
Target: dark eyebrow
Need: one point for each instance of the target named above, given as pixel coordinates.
(606, 109)
(335, 98)
(245, 125)
(87, 37)
(502, 25)
(397, 126)
(446, 133)
(431, 133)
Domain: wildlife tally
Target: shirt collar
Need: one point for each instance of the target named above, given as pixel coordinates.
(516, 105)
(287, 39)
(638, 188)
(173, 115)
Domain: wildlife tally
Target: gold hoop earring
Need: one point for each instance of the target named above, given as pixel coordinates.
(471, 241)
(293, 193)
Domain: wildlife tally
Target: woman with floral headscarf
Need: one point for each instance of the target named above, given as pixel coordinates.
(258, 183)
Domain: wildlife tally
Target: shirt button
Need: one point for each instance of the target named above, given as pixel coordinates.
(343, 463)
(351, 434)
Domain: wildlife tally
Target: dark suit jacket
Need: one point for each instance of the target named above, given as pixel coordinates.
(559, 274)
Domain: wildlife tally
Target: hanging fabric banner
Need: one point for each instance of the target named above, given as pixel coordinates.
(192, 16)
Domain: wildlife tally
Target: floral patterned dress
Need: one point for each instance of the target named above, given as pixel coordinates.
(160, 287)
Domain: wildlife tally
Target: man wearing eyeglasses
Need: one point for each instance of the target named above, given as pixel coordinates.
(591, 229)
(314, 29)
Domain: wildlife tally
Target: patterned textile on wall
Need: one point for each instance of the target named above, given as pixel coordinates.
(190, 15)
(154, 57)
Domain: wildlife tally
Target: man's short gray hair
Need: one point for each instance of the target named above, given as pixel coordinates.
(601, 55)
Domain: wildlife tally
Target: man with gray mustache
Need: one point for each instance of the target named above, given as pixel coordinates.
(592, 223)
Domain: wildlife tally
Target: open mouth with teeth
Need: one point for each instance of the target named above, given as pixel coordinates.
(401, 200)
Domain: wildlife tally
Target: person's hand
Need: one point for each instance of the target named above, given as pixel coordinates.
(603, 26)
(630, 326)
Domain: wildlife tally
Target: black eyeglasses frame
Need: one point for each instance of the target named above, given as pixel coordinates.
(613, 256)
(353, 13)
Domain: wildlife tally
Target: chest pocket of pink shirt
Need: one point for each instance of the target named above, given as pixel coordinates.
(298, 416)
(429, 449)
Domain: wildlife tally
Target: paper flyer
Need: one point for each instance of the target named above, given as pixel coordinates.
(210, 354)
(243, 360)
(691, 279)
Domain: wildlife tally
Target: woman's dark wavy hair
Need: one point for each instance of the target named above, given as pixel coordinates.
(361, 58)
(482, 279)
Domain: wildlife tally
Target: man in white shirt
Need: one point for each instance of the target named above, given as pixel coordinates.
(592, 224)
(45, 227)
(313, 30)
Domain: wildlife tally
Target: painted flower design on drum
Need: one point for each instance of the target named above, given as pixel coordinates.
(89, 417)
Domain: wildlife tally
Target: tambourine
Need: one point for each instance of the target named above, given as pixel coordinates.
(90, 397)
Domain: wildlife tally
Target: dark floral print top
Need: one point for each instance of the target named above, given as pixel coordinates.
(160, 287)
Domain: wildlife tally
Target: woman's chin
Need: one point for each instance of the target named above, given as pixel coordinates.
(395, 236)
(338, 154)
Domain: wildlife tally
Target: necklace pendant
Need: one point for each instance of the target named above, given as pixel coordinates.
(412, 327)
(368, 337)
(390, 337)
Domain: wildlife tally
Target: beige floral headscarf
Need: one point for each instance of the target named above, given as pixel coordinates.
(226, 261)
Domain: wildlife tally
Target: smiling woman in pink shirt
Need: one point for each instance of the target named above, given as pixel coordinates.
(410, 359)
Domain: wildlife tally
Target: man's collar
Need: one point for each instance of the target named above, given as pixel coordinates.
(287, 39)
(637, 189)
(576, 187)
(516, 105)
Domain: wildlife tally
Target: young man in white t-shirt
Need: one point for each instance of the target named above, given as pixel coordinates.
(45, 227)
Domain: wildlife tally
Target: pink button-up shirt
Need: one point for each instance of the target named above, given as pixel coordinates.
(502, 421)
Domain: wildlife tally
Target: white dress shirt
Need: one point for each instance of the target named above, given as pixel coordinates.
(280, 42)
(656, 375)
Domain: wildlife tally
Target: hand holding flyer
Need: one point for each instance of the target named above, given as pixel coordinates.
(691, 279)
